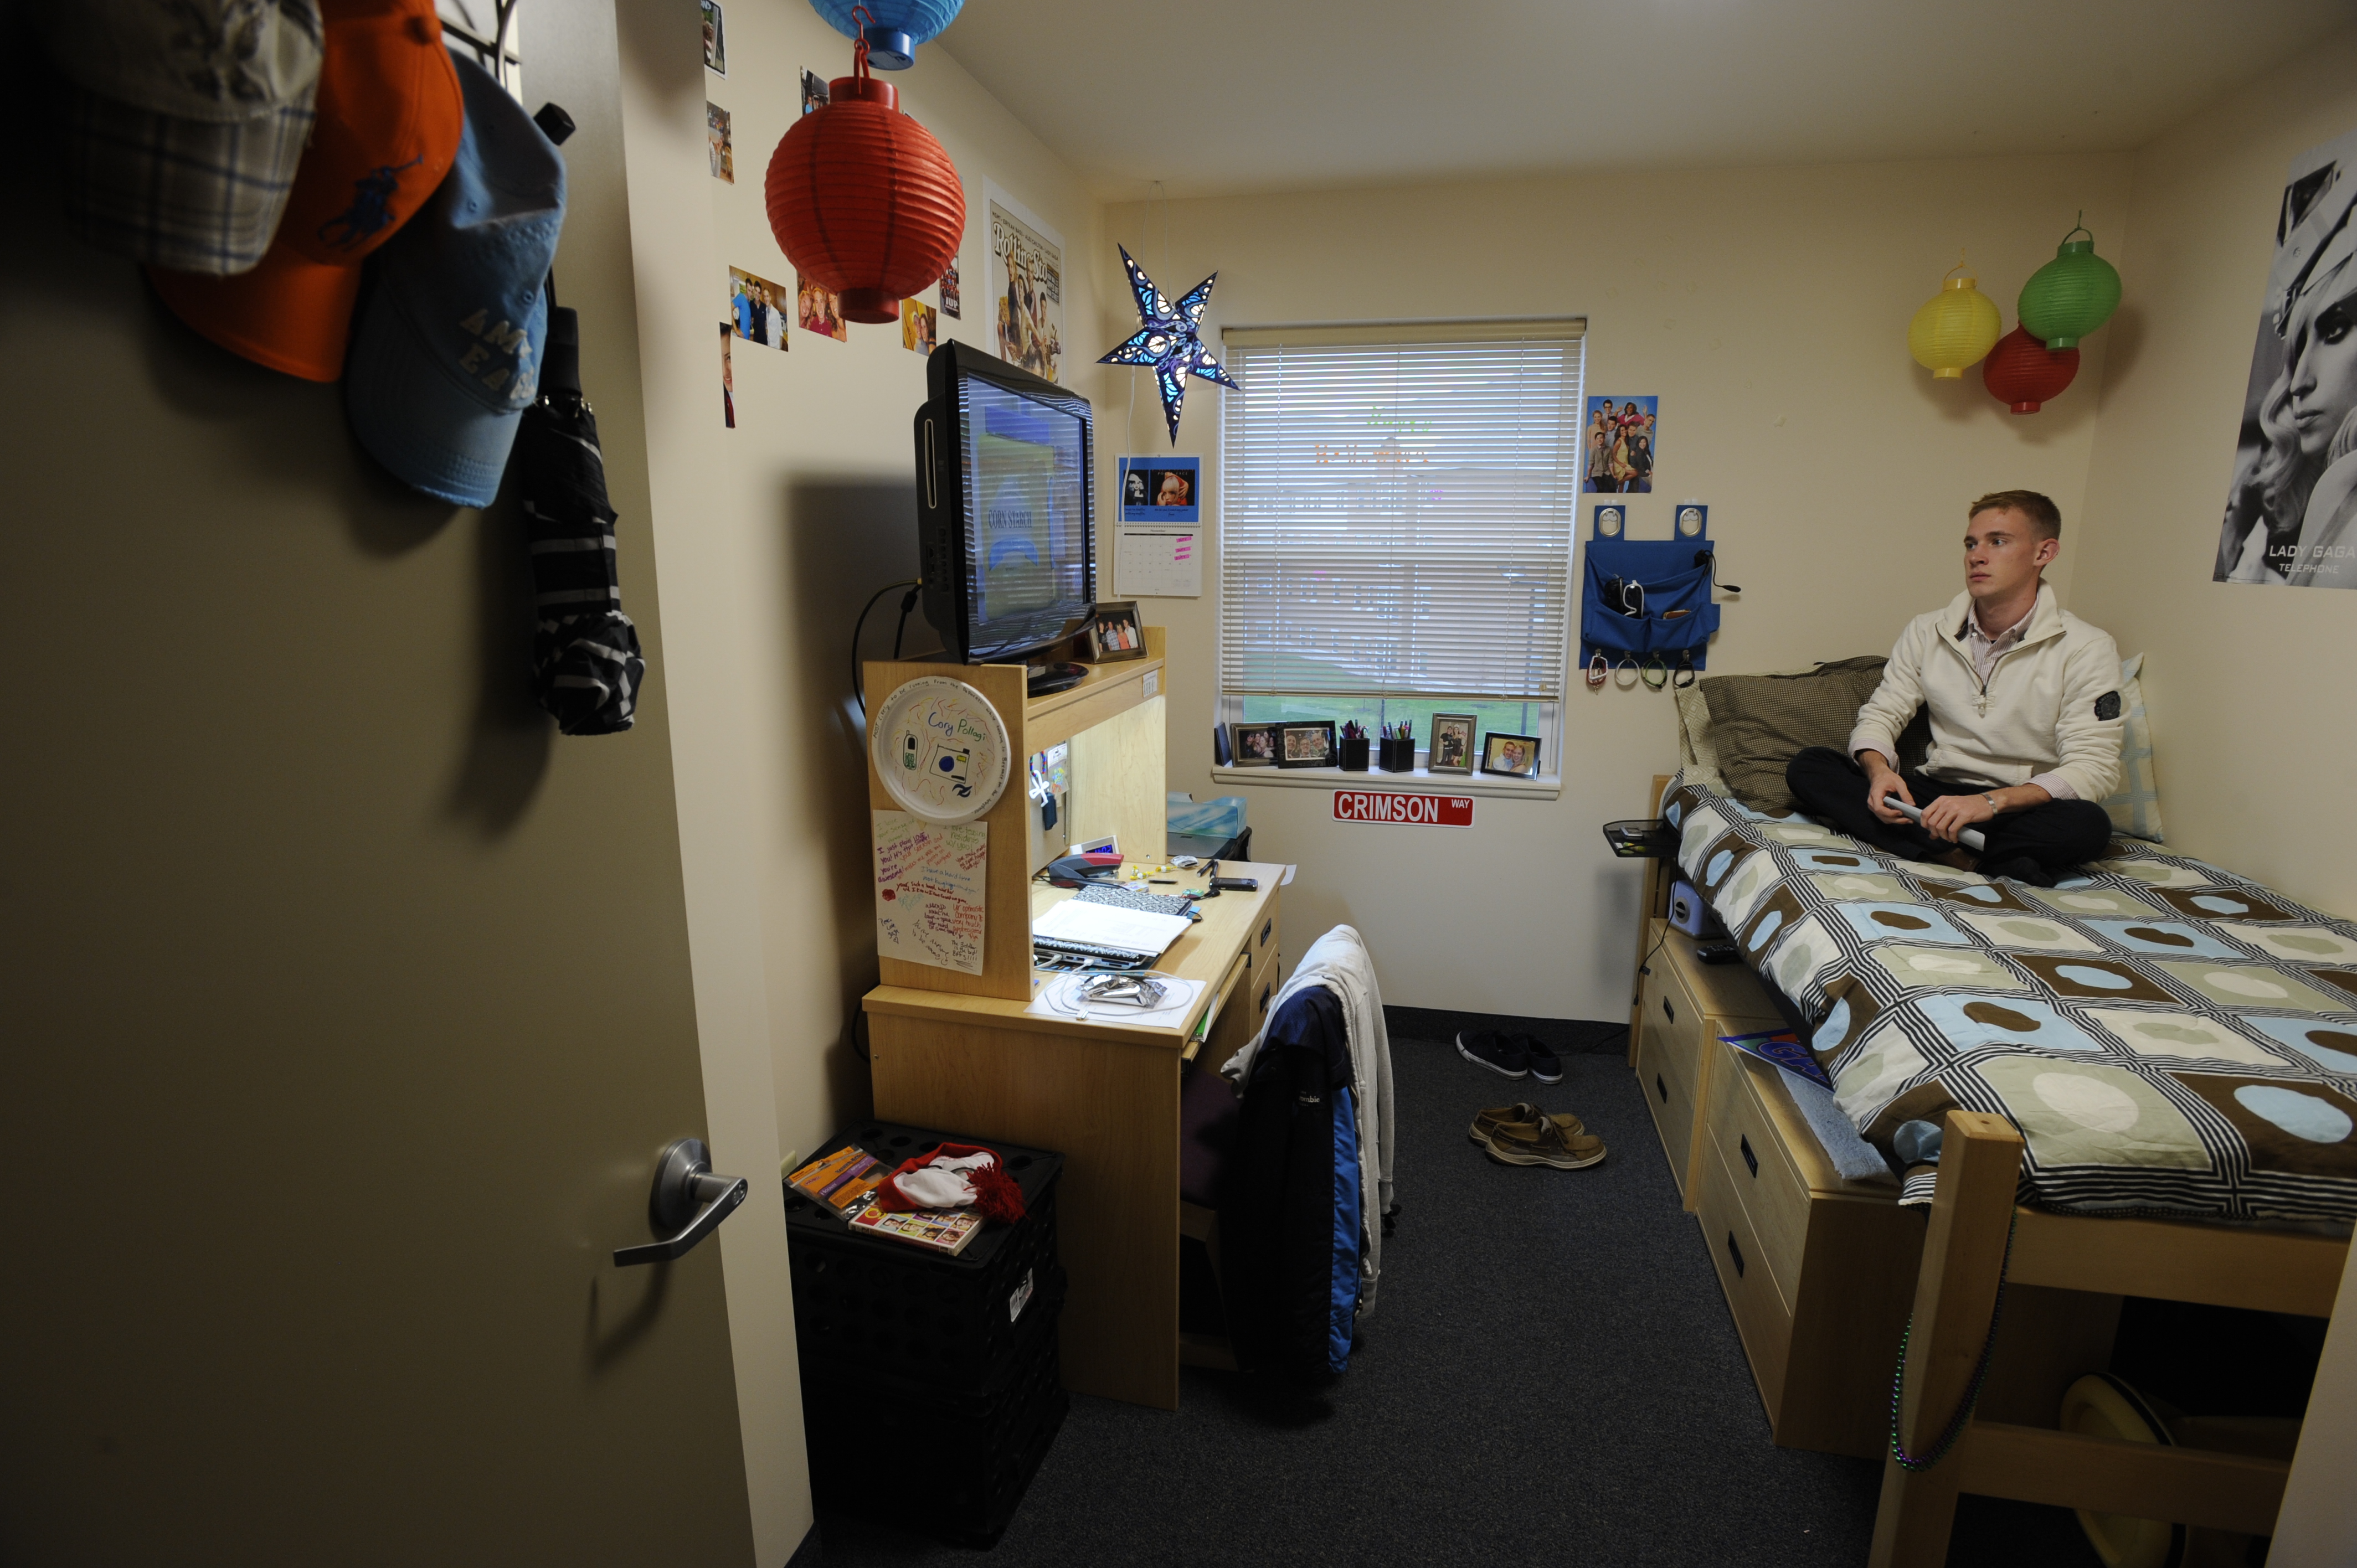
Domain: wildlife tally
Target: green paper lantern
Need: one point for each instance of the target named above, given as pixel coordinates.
(2070, 296)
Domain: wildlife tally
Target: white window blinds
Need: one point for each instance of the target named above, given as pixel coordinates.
(1398, 510)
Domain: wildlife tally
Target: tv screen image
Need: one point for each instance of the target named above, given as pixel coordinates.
(1007, 530)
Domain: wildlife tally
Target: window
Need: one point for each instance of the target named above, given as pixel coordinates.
(1396, 524)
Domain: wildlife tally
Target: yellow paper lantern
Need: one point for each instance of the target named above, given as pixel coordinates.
(1956, 327)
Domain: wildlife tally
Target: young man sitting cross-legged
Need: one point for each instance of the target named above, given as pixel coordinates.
(2024, 708)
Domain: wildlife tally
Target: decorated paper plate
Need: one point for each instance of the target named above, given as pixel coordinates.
(940, 749)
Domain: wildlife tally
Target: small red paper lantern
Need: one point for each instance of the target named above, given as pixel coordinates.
(2025, 373)
(863, 201)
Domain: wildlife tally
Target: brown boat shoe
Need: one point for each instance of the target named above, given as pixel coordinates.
(1543, 1142)
(1522, 1111)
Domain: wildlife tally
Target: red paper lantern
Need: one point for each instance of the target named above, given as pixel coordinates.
(863, 201)
(2025, 373)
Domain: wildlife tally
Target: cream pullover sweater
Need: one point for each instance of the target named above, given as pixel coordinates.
(2051, 705)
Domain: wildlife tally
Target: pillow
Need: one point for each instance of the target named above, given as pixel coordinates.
(1697, 756)
(1759, 722)
(2135, 806)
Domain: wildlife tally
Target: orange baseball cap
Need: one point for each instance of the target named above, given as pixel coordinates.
(390, 118)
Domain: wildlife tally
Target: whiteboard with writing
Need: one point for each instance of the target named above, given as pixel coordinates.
(931, 890)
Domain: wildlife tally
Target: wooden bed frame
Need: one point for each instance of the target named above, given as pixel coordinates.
(1963, 1253)
(1973, 1216)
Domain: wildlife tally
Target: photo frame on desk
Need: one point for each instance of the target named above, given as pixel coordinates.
(1115, 632)
(1308, 744)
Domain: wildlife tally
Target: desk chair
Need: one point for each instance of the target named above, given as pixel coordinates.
(1207, 1117)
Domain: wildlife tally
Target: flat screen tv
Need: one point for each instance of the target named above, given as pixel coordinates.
(1006, 499)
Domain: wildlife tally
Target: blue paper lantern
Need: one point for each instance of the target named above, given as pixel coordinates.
(893, 28)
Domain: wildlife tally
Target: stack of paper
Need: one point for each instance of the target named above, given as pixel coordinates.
(1105, 925)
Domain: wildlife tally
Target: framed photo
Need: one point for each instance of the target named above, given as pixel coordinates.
(1307, 745)
(1516, 755)
(1255, 746)
(1451, 749)
(1116, 633)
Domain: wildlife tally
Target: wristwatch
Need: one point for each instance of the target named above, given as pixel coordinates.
(1994, 810)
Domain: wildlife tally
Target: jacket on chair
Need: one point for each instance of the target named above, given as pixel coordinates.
(1290, 1213)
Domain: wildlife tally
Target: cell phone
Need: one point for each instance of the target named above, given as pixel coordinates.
(1236, 884)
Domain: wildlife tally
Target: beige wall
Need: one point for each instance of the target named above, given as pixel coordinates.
(2248, 761)
(786, 524)
(2244, 683)
(1767, 308)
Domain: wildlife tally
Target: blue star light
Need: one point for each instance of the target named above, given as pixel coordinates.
(1168, 341)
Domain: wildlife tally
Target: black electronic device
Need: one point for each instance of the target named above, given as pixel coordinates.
(1718, 952)
(1005, 507)
(1236, 884)
(1047, 680)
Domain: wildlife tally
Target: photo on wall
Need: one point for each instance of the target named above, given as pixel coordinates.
(816, 94)
(1162, 490)
(727, 376)
(1618, 440)
(1026, 286)
(724, 147)
(715, 39)
(758, 306)
(2291, 505)
(917, 327)
(951, 303)
(818, 310)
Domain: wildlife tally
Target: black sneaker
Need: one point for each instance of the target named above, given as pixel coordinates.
(1545, 1065)
(1499, 1053)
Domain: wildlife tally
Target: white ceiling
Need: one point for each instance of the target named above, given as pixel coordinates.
(1214, 96)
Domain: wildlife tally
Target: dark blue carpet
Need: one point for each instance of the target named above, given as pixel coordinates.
(1552, 1377)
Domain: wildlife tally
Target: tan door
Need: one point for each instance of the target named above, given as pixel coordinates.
(347, 1008)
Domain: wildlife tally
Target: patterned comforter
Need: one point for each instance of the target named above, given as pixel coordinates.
(2168, 1037)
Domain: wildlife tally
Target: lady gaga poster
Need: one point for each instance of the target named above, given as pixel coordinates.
(2291, 506)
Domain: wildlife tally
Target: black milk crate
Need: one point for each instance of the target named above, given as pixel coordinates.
(998, 1444)
(896, 1317)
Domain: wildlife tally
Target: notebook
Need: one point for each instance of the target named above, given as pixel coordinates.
(1106, 926)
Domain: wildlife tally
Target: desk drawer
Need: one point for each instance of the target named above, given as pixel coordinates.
(1759, 1167)
(1762, 1317)
(1669, 1096)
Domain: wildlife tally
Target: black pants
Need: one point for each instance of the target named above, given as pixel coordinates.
(1831, 785)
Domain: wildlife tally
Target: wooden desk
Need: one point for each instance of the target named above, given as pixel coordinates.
(1106, 1098)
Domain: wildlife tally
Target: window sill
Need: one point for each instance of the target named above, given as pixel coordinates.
(1545, 788)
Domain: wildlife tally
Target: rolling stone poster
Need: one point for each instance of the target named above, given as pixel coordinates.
(2291, 508)
(1027, 287)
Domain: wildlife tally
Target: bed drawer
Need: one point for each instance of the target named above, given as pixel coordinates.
(1760, 1164)
(1672, 1012)
(1761, 1316)
(1670, 1096)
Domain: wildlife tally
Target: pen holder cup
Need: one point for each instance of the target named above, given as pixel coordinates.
(1354, 753)
(1398, 755)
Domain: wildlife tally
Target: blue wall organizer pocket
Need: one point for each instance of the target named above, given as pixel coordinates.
(1647, 595)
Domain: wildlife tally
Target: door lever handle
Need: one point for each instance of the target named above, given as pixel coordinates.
(684, 1180)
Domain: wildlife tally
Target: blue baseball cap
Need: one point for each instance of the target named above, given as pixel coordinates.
(446, 349)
